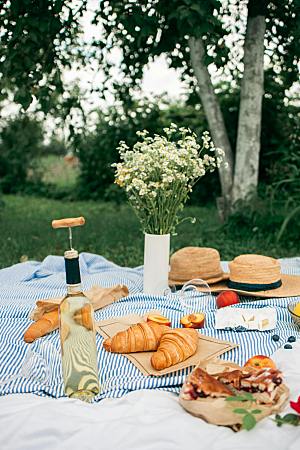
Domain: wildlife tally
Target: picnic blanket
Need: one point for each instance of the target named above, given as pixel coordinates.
(36, 367)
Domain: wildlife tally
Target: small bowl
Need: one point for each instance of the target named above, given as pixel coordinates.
(295, 317)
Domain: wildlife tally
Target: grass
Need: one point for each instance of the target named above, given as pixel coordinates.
(56, 171)
(113, 231)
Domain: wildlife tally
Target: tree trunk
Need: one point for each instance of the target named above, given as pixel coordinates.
(214, 117)
(249, 124)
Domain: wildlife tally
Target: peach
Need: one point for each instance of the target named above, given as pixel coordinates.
(195, 320)
(260, 362)
(227, 298)
(162, 320)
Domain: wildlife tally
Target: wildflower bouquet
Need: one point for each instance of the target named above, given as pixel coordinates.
(159, 172)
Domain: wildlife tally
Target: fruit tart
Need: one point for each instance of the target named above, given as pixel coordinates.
(204, 394)
(201, 384)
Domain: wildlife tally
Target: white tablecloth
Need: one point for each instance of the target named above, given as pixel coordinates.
(141, 420)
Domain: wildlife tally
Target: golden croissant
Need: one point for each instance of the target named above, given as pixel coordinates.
(141, 337)
(175, 346)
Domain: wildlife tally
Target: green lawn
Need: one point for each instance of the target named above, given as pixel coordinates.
(56, 171)
(112, 231)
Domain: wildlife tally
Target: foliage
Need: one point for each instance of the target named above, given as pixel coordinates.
(21, 142)
(144, 30)
(248, 411)
(290, 419)
(97, 151)
(114, 232)
(147, 29)
(267, 217)
(59, 178)
(55, 146)
(38, 40)
(159, 172)
(280, 128)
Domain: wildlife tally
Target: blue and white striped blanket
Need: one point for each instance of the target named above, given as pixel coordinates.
(36, 367)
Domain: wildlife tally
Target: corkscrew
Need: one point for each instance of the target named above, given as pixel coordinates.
(69, 223)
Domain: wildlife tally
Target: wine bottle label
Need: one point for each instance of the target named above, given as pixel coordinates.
(72, 271)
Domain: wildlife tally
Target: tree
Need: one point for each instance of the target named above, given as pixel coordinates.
(194, 37)
(21, 143)
(252, 89)
(39, 40)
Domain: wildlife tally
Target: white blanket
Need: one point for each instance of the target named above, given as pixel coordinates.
(141, 420)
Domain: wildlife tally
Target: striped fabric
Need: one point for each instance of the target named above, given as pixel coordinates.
(36, 367)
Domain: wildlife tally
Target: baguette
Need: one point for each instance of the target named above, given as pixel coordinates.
(46, 324)
(46, 316)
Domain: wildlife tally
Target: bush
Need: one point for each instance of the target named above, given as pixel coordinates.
(55, 147)
(21, 142)
(98, 150)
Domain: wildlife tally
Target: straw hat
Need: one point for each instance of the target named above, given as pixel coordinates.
(195, 262)
(259, 276)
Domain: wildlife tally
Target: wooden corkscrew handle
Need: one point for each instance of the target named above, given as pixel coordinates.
(68, 223)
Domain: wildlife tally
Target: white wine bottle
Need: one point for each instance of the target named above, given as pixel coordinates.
(77, 336)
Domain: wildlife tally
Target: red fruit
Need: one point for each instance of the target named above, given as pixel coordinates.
(227, 298)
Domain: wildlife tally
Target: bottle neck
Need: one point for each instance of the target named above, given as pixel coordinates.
(72, 270)
(74, 288)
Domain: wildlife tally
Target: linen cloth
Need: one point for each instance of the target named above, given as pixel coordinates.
(36, 367)
(141, 420)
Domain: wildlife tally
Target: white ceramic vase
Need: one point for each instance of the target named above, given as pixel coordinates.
(156, 263)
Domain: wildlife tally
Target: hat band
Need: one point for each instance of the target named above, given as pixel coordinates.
(254, 287)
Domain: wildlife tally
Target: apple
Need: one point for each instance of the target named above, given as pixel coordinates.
(195, 320)
(260, 362)
(161, 320)
(227, 298)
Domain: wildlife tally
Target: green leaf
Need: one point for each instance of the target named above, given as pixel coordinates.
(249, 396)
(237, 398)
(249, 422)
(292, 419)
(278, 420)
(240, 411)
(255, 411)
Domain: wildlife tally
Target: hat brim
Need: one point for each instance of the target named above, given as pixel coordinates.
(209, 281)
(290, 288)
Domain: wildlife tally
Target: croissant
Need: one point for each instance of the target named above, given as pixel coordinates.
(141, 337)
(175, 346)
(46, 324)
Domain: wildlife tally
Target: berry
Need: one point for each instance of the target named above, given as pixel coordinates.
(292, 339)
(275, 337)
(288, 346)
